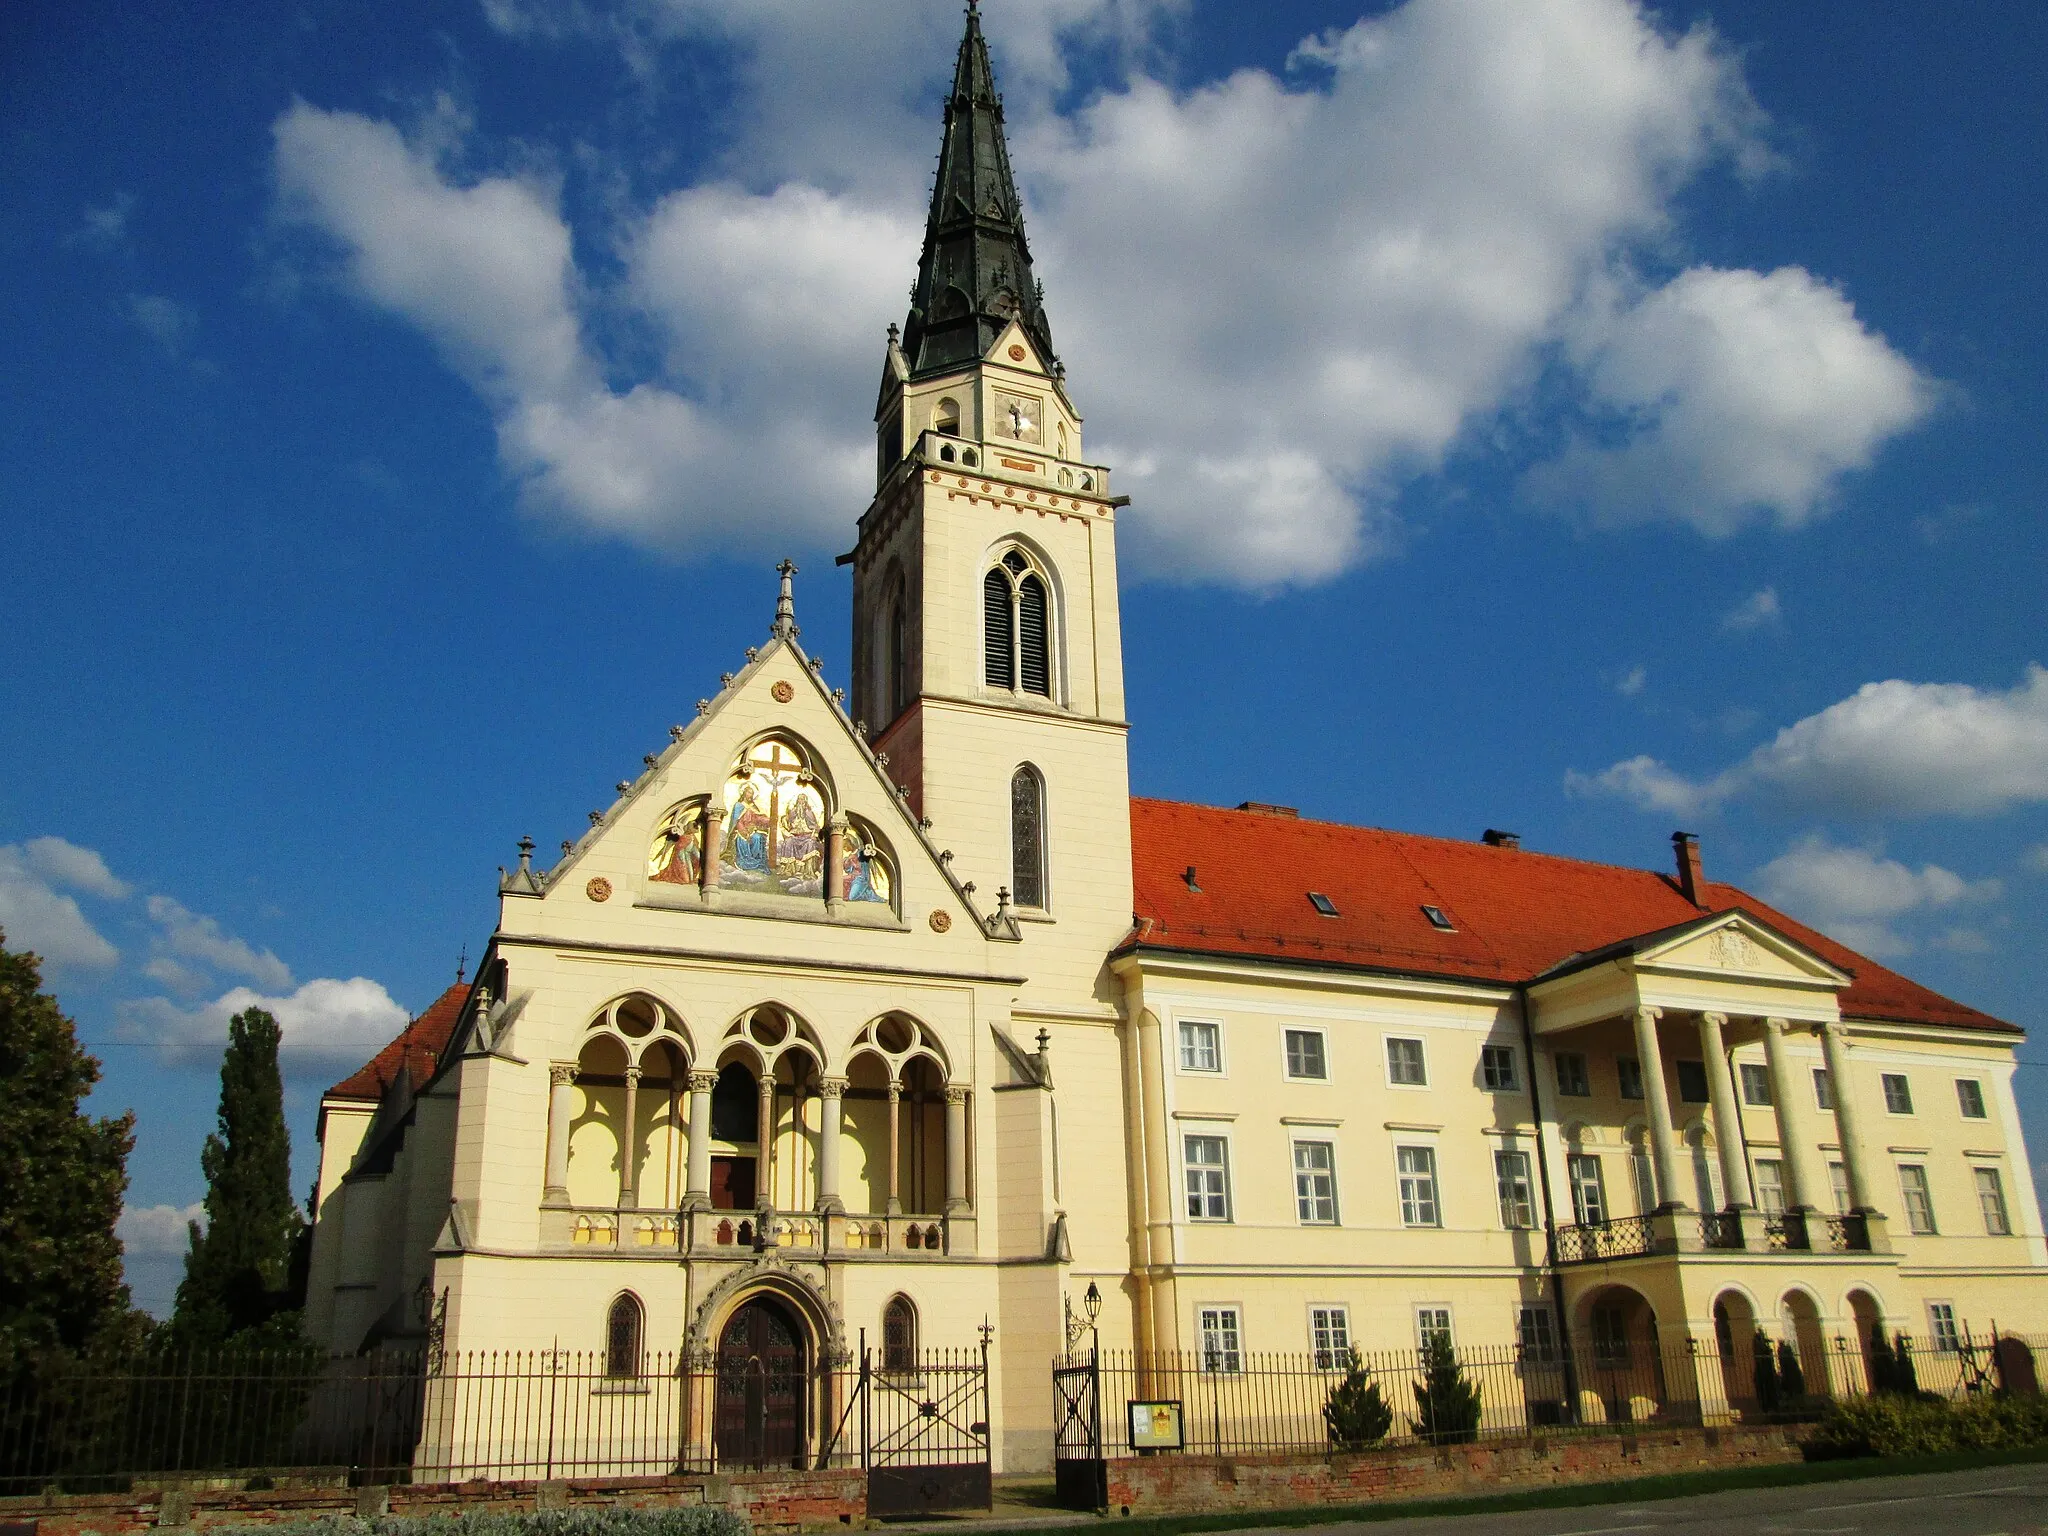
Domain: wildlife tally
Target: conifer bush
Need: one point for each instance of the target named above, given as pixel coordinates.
(1446, 1403)
(1356, 1413)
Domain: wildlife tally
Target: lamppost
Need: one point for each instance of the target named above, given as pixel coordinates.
(1091, 1305)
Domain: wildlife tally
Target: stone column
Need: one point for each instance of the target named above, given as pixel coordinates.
(714, 840)
(956, 1150)
(629, 1140)
(1662, 1134)
(1795, 1146)
(561, 1105)
(831, 1092)
(835, 863)
(1848, 1116)
(1727, 1112)
(697, 1194)
(895, 1149)
(764, 1133)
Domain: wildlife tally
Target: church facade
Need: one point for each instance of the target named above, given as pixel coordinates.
(897, 1013)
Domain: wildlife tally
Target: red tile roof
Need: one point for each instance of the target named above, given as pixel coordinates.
(1516, 914)
(418, 1047)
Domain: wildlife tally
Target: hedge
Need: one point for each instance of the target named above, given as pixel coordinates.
(688, 1520)
(1891, 1424)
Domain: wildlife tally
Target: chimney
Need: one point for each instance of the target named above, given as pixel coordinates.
(1493, 837)
(1260, 808)
(1691, 879)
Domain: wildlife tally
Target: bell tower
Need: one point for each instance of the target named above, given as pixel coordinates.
(987, 649)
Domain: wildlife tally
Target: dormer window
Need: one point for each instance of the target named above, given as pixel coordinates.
(1322, 903)
(1437, 919)
(1017, 627)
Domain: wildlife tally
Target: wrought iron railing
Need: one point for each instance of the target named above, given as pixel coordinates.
(1590, 1242)
(1785, 1232)
(1721, 1229)
(1846, 1234)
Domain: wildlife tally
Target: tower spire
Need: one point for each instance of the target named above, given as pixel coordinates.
(974, 275)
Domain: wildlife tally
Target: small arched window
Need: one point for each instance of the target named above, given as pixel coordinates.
(1027, 837)
(947, 418)
(1017, 627)
(622, 1329)
(897, 652)
(899, 1336)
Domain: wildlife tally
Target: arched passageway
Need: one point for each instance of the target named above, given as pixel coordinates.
(762, 1392)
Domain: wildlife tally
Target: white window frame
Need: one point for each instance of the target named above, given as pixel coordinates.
(1942, 1329)
(1754, 1078)
(2002, 1227)
(1574, 1165)
(1223, 1319)
(1823, 1089)
(1507, 1053)
(1188, 1166)
(1330, 1347)
(1435, 1186)
(1838, 1183)
(1623, 1066)
(1528, 1189)
(1583, 1078)
(1322, 1037)
(1884, 1083)
(1330, 1173)
(1976, 1088)
(1180, 1054)
(1387, 1044)
(1926, 1193)
(1438, 1316)
(1775, 1183)
(1542, 1349)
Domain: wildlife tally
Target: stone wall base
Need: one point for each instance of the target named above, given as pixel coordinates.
(1174, 1484)
(771, 1501)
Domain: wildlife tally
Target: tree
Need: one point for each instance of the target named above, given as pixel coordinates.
(1355, 1412)
(62, 1177)
(238, 1270)
(1790, 1376)
(1447, 1405)
(1766, 1372)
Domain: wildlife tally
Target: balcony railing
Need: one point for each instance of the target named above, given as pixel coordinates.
(1785, 1232)
(1846, 1234)
(1721, 1230)
(1625, 1237)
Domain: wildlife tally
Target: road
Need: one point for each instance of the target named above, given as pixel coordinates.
(1990, 1501)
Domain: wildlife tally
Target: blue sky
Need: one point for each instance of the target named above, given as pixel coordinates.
(1573, 418)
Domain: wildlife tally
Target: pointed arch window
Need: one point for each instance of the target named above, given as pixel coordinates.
(1027, 837)
(1017, 626)
(898, 657)
(899, 1336)
(622, 1331)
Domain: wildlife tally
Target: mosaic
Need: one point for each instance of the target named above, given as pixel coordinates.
(865, 875)
(677, 856)
(774, 825)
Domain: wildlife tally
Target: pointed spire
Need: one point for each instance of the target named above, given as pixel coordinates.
(975, 274)
(784, 627)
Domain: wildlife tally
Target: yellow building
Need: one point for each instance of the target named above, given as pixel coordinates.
(837, 1022)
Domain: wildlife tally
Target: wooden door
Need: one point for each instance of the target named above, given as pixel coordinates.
(732, 1183)
(761, 1382)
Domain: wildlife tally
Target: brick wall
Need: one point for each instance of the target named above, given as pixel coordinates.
(771, 1501)
(1157, 1485)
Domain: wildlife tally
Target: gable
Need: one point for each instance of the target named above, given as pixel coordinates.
(1735, 947)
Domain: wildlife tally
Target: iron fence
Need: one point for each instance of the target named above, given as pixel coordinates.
(1249, 1404)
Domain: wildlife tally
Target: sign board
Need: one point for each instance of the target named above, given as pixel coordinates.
(1156, 1426)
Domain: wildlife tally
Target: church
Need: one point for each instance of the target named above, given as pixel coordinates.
(892, 1014)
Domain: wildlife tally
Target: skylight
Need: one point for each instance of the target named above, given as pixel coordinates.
(1323, 904)
(1437, 919)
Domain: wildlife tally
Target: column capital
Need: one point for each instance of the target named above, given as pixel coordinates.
(832, 1087)
(561, 1073)
(702, 1081)
(1776, 1026)
(956, 1094)
(895, 1090)
(1709, 1016)
(634, 1073)
(1646, 1011)
(1835, 1029)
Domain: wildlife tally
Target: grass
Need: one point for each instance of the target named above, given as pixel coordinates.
(1677, 1485)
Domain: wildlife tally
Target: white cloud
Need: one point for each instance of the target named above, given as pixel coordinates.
(197, 937)
(65, 863)
(1890, 749)
(171, 324)
(1403, 230)
(158, 1231)
(324, 1022)
(104, 229)
(1743, 395)
(1633, 681)
(2036, 859)
(1859, 897)
(36, 916)
(1757, 611)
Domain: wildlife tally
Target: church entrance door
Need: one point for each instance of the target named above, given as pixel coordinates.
(761, 1381)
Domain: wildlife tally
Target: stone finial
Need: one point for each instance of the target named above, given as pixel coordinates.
(596, 817)
(725, 679)
(784, 627)
(648, 760)
(752, 651)
(567, 846)
(1002, 900)
(678, 732)
(526, 857)
(838, 695)
(703, 707)
(623, 785)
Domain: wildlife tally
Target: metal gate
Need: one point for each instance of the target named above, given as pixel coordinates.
(924, 1431)
(1080, 1474)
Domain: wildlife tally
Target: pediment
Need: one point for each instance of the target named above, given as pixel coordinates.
(1014, 348)
(1736, 947)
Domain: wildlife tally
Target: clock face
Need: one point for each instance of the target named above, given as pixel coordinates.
(1019, 417)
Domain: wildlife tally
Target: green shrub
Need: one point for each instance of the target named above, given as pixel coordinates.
(1356, 1414)
(1893, 1424)
(1447, 1405)
(688, 1520)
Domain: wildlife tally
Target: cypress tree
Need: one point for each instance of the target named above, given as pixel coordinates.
(62, 1177)
(238, 1270)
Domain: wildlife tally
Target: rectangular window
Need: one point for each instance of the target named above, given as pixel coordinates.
(1315, 1182)
(1497, 1068)
(1305, 1056)
(1417, 1166)
(1991, 1196)
(1432, 1324)
(1692, 1082)
(1756, 1084)
(1222, 1340)
(1770, 1186)
(1898, 1094)
(1329, 1332)
(1838, 1180)
(1823, 1089)
(1404, 1062)
(1941, 1322)
(1630, 1073)
(1919, 1202)
(1572, 1081)
(1537, 1332)
(1589, 1191)
(1645, 1179)
(1208, 1170)
(1610, 1335)
(1201, 1047)
(1970, 1098)
(1511, 1180)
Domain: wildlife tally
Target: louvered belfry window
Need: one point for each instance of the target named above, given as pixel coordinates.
(1027, 838)
(1017, 612)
